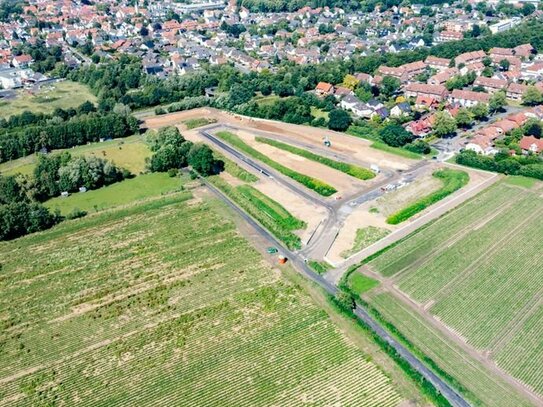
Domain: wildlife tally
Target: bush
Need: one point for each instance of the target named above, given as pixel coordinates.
(76, 213)
(172, 172)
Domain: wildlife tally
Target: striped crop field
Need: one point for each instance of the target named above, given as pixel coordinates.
(164, 303)
(478, 270)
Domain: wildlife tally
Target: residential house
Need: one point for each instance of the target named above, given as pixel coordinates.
(440, 64)
(468, 98)
(22, 61)
(445, 36)
(524, 51)
(515, 91)
(469, 57)
(356, 106)
(437, 92)
(324, 89)
(491, 85)
(530, 144)
(481, 145)
(442, 77)
(400, 110)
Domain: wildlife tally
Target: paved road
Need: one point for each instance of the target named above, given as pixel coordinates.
(447, 391)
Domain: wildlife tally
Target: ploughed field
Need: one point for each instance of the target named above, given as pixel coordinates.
(164, 303)
(479, 271)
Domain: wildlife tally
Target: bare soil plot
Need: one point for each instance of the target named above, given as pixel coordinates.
(344, 184)
(300, 208)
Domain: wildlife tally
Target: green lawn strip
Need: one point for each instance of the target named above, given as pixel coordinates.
(316, 185)
(453, 180)
(379, 145)
(360, 283)
(520, 181)
(235, 170)
(121, 193)
(349, 169)
(270, 214)
(202, 121)
(365, 237)
(320, 267)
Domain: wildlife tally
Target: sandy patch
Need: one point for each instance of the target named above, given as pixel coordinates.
(344, 183)
(298, 207)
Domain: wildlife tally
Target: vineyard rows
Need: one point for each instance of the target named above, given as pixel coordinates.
(479, 272)
(162, 304)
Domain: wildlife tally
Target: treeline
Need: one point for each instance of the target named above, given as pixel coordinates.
(63, 173)
(528, 166)
(75, 131)
(19, 214)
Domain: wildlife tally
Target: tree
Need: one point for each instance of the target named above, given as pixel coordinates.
(201, 160)
(532, 96)
(395, 135)
(444, 124)
(527, 9)
(479, 111)
(533, 128)
(350, 82)
(339, 120)
(345, 300)
(464, 118)
(497, 101)
(505, 64)
(390, 85)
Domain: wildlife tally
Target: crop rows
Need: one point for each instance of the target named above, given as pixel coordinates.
(457, 258)
(494, 293)
(429, 239)
(165, 304)
(320, 187)
(523, 354)
(492, 391)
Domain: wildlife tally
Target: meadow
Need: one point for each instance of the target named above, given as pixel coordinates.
(476, 270)
(164, 303)
(129, 153)
(64, 95)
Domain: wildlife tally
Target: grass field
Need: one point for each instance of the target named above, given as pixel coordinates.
(162, 304)
(269, 213)
(121, 193)
(349, 169)
(316, 185)
(64, 94)
(318, 113)
(235, 170)
(379, 145)
(194, 123)
(365, 237)
(477, 270)
(129, 153)
(360, 284)
(320, 267)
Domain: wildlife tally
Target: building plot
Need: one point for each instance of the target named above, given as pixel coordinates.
(477, 272)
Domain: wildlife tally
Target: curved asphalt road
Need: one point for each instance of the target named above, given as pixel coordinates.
(447, 391)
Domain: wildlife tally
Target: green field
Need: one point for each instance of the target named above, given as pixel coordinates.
(321, 267)
(129, 153)
(64, 95)
(165, 304)
(194, 123)
(316, 185)
(349, 169)
(379, 145)
(235, 170)
(318, 113)
(360, 284)
(269, 213)
(365, 237)
(121, 193)
(478, 270)
(452, 180)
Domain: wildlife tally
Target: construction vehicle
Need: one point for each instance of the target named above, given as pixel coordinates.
(271, 250)
(327, 142)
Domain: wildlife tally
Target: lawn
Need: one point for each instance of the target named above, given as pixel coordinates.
(318, 113)
(65, 95)
(349, 169)
(122, 193)
(164, 303)
(316, 185)
(266, 100)
(129, 153)
(320, 267)
(365, 237)
(476, 269)
(521, 181)
(360, 284)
